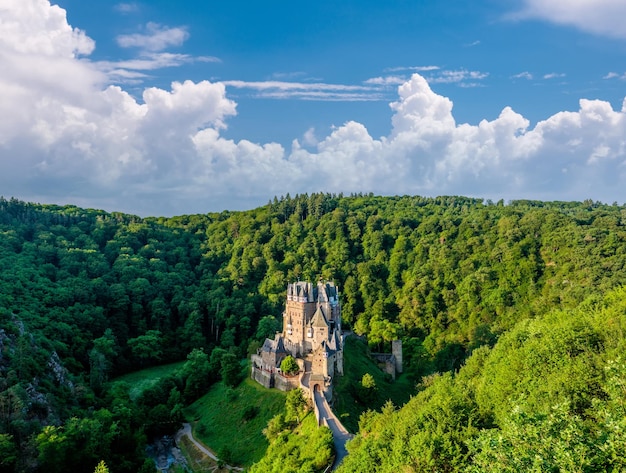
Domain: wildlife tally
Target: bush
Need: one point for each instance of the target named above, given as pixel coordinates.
(289, 366)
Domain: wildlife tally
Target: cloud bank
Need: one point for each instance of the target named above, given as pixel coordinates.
(68, 136)
(602, 17)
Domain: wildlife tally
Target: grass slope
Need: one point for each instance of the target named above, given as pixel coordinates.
(218, 420)
(356, 363)
(141, 380)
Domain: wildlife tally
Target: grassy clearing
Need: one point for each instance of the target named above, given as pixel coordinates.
(356, 363)
(219, 420)
(144, 379)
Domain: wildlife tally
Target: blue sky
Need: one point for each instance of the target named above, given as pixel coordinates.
(157, 108)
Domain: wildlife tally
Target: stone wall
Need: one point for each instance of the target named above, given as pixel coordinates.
(285, 383)
(386, 362)
(390, 362)
(396, 350)
(264, 378)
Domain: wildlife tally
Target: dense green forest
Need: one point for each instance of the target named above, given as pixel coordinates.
(548, 397)
(87, 295)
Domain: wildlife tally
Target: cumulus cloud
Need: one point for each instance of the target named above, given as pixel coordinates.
(66, 135)
(602, 17)
(156, 38)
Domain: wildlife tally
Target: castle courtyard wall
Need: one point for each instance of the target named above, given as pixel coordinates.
(264, 378)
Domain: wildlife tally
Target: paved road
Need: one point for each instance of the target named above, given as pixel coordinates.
(340, 434)
(186, 430)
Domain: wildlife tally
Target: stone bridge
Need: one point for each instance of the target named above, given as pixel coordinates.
(325, 416)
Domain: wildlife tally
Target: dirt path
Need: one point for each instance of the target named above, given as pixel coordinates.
(186, 431)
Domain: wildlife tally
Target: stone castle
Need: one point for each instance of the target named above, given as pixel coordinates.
(311, 334)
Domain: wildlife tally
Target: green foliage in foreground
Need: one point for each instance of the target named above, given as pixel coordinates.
(231, 420)
(549, 396)
(296, 447)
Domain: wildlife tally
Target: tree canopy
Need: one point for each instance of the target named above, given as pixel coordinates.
(87, 295)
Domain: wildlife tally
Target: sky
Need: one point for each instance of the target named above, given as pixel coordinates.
(160, 108)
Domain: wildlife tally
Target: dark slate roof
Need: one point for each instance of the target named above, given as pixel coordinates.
(268, 345)
(319, 319)
(274, 346)
(279, 343)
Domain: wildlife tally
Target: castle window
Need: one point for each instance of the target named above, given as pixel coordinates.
(309, 332)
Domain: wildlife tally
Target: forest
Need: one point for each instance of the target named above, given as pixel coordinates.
(511, 316)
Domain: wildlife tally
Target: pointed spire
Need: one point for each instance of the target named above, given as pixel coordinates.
(319, 319)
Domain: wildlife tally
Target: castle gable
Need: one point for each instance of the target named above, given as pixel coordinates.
(268, 346)
(279, 345)
(319, 319)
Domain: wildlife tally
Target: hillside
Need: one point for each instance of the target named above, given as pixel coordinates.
(87, 295)
(549, 396)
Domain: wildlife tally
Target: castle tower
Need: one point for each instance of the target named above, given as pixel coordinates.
(299, 309)
(396, 350)
(312, 314)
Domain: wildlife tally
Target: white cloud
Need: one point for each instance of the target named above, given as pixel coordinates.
(127, 71)
(156, 38)
(68, 136)
(283, 85)
(523, 75)
(35, 27)
(309, 137)
(461, 76)
(553, 75)
(434, 75)
(602, 17)
(387, 80)
(412, 68)
(308, 90)
(126, 8)
(282, 76)
(615, 75)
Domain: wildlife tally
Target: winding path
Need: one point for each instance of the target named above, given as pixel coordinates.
(186, 431)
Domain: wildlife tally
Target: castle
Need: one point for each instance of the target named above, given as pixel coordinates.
(311, 334)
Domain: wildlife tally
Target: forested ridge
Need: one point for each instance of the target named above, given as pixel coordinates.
(86, 295)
